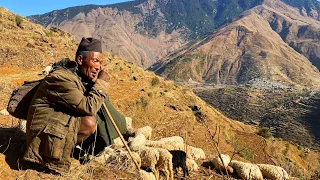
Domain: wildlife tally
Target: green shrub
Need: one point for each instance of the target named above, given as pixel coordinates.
(265, 132)
(19, 20)
(285, 152)
(48, 33)
(247, 154)
(303, 155)
(155, 81)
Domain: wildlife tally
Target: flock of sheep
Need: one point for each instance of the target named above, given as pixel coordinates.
(163, 155)
(168, 154)
(249, 171)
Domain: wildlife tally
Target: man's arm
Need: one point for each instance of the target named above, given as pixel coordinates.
(64, 91)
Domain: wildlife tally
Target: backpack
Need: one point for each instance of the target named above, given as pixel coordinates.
(21, 98)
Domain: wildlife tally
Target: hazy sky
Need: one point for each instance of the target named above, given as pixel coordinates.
(32, 7)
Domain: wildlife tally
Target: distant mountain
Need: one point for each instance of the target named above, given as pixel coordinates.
(309, 8)
(254, 46)
(144, 31)
(147, 31)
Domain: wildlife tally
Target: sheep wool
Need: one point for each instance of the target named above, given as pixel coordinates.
(102, 158)
(138, 140)
(146, 131)
(168, 145)
(220, 166)
(149, 157)
(192, 165)
(192, 152)
(165, 163)
(273, 172)
(117, 143)
(246, 171)
(195, 153)
(176, 139)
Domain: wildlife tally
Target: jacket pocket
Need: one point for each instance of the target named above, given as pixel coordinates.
(54, 140)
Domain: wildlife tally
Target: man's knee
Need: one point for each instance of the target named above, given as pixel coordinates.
(88, 124)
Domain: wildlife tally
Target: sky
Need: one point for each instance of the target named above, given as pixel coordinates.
(33, 7)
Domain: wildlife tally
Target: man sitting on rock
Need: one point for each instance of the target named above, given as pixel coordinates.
(67, 110)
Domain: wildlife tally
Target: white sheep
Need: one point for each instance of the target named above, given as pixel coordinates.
(146, 131)
(149, 157)
(165, 145)
(4, 112)
(176, 139)
(273, 172)
(246, 171)
(195, 153)
(146, 175)
(192, 165)
(102, 158)
(117, 143)
(138, 140)
(165, 163)
(192, 152)
(220, 166)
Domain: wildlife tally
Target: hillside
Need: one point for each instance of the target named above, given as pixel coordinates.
(147, 98)
(245, 49)
(291, 115)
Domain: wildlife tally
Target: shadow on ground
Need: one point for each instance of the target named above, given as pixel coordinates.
(12, 146)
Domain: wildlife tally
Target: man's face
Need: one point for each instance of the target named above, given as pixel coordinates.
(90, 67)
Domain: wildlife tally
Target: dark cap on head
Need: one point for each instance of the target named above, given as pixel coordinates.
(90, 44)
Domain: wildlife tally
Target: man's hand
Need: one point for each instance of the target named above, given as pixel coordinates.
(104, 75)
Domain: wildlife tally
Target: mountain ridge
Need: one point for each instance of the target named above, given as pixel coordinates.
(249, 40)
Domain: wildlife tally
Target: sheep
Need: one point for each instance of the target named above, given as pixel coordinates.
(138, 140)
(246, 170)
(165, 145)
(102, 158)
(273, 172)
(192, 165)
(146, 176)
(192, 152)
(195, 153)
(221, 166)
(165, 163)
(179, 160)
(176, 139)
(146, 131)
(149, 157)
(117, 143)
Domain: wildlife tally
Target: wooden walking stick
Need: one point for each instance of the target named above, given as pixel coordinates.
(120, 135)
